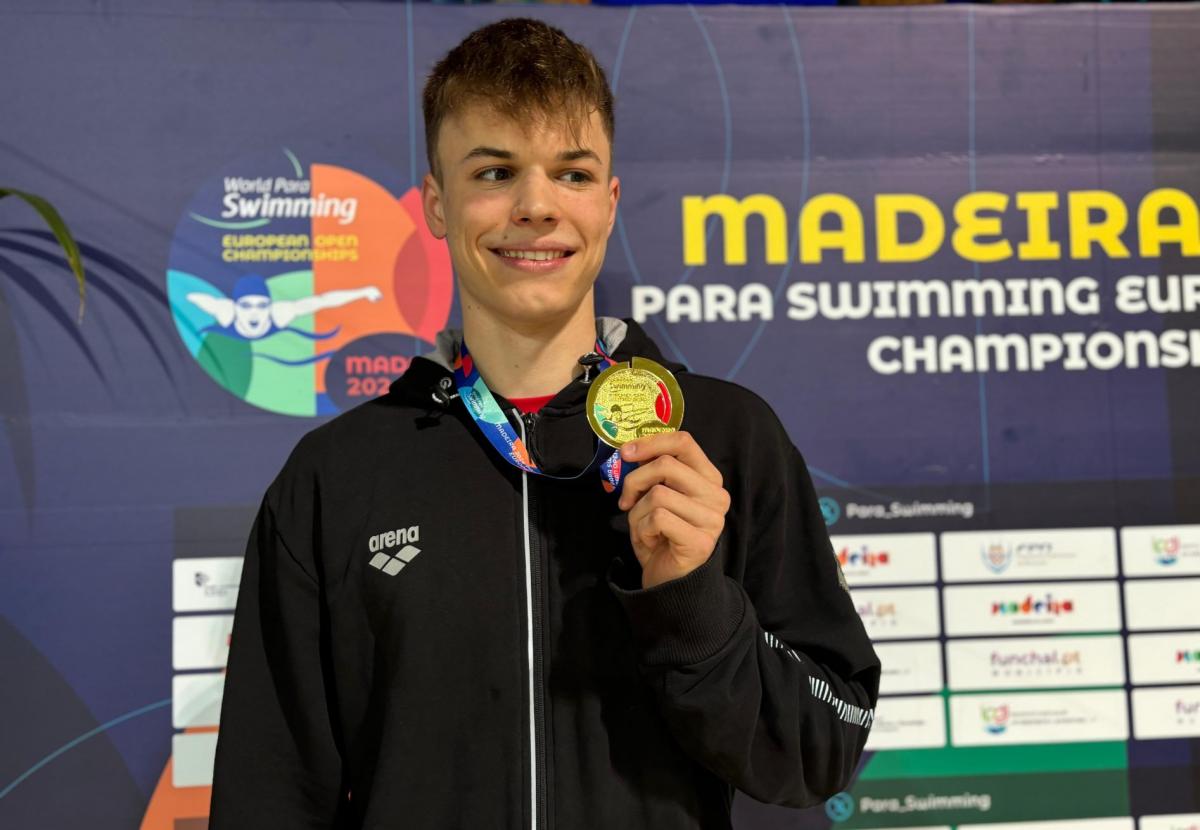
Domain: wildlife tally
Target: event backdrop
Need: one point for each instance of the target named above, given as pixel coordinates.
(957, 249)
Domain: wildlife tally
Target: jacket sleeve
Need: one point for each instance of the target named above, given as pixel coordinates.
(277, 763)
(766, 676)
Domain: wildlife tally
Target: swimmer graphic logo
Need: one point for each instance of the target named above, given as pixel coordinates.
(305, 291)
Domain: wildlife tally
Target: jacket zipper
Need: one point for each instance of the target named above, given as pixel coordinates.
(533, 603)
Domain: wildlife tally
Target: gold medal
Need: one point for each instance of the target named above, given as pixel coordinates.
(632, 400)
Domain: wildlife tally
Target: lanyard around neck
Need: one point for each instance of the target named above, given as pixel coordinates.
(491, 420)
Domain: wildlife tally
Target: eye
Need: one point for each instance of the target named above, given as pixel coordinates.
(577, 176)
(494, 174)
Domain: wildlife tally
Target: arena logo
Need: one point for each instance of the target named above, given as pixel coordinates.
(305, 291)
(1033, 607)
(995, 718)
(862, 557)
(1187, 656)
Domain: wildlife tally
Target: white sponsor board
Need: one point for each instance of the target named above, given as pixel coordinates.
(1165, 658)
(1161, 550)
(910, 667)
(1032, 608)
(898, 613)
(201, 642)
(887, 558)
(990, 555)
(209, 584)
(196, 699)
(192, 756)
(1166, 712)
(1162, 603)
(1036, 662)
(1115, 823)
(908, 723)
(1179, 821)
(1038, 718)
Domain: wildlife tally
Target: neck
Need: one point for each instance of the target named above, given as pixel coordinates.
(529, 361)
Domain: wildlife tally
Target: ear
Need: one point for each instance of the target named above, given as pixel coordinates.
(614, 196)
(431, 201)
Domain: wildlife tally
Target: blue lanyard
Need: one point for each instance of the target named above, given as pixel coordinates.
(495, 426)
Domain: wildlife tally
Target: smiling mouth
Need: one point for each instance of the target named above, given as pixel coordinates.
(533, 256)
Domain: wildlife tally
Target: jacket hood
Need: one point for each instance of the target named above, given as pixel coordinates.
(430, 377)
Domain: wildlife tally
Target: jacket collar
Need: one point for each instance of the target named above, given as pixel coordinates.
(623, 339)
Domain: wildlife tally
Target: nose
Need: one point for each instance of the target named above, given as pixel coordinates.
(536, 203)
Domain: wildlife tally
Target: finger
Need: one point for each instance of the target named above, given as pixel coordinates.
(679, 444)
(669, 470)
(695, 513)
(661, 523)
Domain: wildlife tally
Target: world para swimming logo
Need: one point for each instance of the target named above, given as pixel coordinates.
(305, 289)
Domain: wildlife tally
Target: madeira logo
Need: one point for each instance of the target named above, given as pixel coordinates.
(1047, 606)
(304, 290)
(862, 557)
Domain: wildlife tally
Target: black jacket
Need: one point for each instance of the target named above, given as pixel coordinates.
(427, 638)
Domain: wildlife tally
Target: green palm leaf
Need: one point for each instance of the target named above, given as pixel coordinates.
(52, 218)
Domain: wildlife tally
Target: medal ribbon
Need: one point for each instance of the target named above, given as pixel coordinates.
(494, 424)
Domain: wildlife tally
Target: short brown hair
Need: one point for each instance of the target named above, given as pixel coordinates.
(521, 68)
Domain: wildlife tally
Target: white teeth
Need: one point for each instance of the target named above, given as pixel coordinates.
(536, 255)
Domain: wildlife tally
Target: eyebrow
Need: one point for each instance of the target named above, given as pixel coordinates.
(508, 155)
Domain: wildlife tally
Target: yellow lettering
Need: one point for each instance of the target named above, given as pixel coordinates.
(1038, 244)
(733, 213)
(814, 238)
(1106, 231)
(1186, 232)
(889, 248)
(971, 226)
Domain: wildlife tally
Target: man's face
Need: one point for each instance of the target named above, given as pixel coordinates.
(251, 315)
(526, 212)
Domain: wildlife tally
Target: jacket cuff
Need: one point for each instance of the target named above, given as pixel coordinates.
(683, 621)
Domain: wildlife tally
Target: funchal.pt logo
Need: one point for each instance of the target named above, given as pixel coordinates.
(305, 290)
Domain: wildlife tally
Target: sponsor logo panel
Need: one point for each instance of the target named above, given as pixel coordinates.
(196, 699)
(206, 584)
(887, 558)
(908, 723)
(910, 667)
(1162, 603)
(192, 756)
(898, 613)
(1167, 712)
(1032, 608)
(1161, 550)
(1115, 823)
(994, 555)
(1032, 662)
(1037, 718)
(201, 641)
(1179, 821)
(1165, 658)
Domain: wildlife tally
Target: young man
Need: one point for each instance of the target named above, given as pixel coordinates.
(437, 631)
